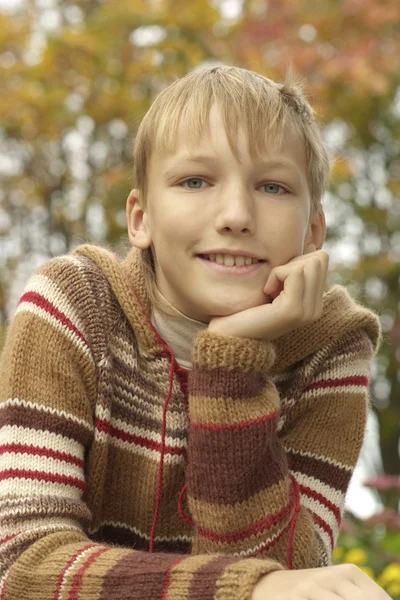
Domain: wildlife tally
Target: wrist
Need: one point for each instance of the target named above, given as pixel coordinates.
(211, 350)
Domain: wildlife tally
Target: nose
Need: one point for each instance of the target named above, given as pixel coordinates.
(235, 210)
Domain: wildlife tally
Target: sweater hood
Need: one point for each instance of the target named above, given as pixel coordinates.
(341, 314)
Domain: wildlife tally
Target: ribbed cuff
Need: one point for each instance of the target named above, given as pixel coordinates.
(239, 579)
(213, 350)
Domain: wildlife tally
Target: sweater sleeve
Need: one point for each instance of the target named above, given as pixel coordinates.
(48, 387)
(267, 476)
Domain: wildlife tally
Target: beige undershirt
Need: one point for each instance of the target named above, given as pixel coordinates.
(177, 331)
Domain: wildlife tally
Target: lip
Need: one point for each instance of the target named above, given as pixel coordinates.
(231, 252)
(234, 270)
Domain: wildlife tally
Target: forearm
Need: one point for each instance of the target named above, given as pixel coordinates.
(241, 495)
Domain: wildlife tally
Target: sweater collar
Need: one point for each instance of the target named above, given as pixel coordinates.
(177, 329)
(341, 314)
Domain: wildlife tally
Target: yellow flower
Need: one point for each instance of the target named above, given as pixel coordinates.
(338, 553)
(390, 575)
(357, 556)
(394, 589)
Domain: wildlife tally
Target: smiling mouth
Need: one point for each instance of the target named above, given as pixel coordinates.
(252, 261)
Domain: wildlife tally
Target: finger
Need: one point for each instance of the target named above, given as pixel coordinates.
(294, 287)
(324, 275)
(311, 298)
(274, 284)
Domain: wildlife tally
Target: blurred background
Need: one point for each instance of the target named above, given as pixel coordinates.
(76, 76)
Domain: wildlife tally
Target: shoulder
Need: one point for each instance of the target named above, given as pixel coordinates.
(344, 317)
(71, 292)
(343, 322)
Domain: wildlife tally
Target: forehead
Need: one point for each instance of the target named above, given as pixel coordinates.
(282, 141)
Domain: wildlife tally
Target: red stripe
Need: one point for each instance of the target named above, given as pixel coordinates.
(43, 303)
(253, 529)
(77, 581)
(168, 579)
(344, 381)
(323, 526)
(43, 476)
(10, 537)
(104, 426)
(238, 426)
(323, 500)
(67, 566)
(37, 451)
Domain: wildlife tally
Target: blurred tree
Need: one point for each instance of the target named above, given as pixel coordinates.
(77, 76)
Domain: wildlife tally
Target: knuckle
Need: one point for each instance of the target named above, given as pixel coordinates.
(350, 569)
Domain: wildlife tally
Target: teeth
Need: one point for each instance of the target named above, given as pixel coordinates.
(230, 261)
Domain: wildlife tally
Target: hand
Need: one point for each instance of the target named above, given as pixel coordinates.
(339, 582)
(294, 293)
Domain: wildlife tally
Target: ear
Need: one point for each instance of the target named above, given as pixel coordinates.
(137, 219)
(316, 232)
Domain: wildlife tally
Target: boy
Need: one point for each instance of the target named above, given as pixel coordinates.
(174, 402)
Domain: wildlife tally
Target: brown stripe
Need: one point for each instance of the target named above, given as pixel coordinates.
(109, 534)
(347, 410)
(34, 418)
(181, 576)
(244, 514)
(203, 586)
(129, 414)
(232, 384)
(133, 498)
(333, 475)
(138, 575)
(230, 466)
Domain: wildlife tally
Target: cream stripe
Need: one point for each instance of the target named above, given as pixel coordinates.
(16, 460)
(356, 390)
(330, 493)
(43, 439)
(325, 538)
(323, 512)
(29, 487)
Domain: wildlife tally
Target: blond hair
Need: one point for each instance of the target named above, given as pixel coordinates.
(261, 106)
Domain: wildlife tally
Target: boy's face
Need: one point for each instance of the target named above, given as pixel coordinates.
(195, 207)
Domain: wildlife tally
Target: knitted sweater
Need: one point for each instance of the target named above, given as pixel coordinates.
(125, 476)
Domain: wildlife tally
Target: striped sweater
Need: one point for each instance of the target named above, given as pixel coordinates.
(126, 476)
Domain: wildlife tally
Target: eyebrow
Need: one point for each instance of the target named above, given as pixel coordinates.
(211, 160)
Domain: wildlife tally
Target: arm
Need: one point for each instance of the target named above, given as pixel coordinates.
(253, 491)
(48, 388)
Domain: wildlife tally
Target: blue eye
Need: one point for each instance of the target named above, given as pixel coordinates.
(198, 181)
(274, 188)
